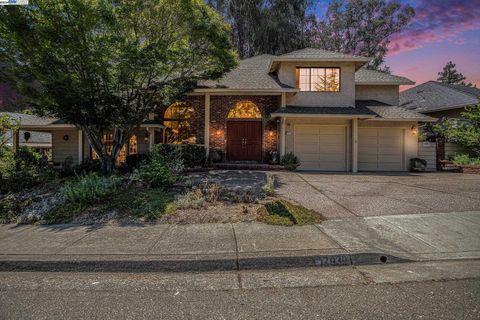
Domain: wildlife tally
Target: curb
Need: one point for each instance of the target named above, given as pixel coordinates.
(194, 264)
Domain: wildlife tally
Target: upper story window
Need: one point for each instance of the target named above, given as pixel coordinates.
(318, 79)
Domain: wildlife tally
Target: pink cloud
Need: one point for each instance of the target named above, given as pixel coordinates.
(437, 21)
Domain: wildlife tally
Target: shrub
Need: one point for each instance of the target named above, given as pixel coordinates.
(90, 188)
(191, 155)
(191, 200)
(282, 212)
(290, 161)
(21, 170)
(211, 191)
(465, 159)
(269, 187)
(155, 170)
(10, 207)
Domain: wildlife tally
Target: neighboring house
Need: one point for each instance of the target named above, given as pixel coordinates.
(320, 105)
(441, 100)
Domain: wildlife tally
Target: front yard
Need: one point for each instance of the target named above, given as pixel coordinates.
(157, 191)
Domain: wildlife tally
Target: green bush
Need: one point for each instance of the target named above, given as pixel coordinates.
(22, 169)
(465, 159)
(290, 161)
(192, 155)
(155, 169)
(90, 188)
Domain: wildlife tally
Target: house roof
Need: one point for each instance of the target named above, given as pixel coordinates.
(258, 73)
(434, 96)
(385, 111)
(365, 76)
(250, 74)
(314, 54)
(299, 111)
(29, 120)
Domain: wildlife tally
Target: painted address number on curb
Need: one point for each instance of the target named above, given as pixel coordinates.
(338, 260)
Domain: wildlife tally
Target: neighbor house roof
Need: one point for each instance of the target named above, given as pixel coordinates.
(365, 76)
(434, 96)
(251, 74)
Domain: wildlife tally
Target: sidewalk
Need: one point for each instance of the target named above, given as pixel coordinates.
(422, 237)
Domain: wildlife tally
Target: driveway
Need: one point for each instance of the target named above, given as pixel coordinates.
(373, 194)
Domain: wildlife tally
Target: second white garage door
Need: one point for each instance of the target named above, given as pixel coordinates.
(380, 149)
(320, 147)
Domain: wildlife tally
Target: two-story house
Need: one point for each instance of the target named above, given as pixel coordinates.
(321, 106)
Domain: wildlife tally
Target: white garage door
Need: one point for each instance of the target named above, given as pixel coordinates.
(380, 149)
(320, 147)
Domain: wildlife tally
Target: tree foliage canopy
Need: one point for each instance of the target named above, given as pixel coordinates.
(362, 27)
(450, 75)
(465, 132)
(105, 65)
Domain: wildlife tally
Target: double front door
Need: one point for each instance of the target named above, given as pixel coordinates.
(244, 140)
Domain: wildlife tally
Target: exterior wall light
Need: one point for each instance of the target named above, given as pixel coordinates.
(414, 130)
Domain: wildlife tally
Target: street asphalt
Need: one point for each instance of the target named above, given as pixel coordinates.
(425, 290)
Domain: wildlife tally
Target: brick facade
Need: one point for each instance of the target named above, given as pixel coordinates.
(219, 107)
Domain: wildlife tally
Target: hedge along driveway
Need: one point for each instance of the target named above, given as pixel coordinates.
(373, 194)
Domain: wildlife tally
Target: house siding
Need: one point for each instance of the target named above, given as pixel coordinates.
(385, 94)
(62, 149)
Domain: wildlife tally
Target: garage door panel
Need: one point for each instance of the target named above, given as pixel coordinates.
(320, 147)
(380, 149)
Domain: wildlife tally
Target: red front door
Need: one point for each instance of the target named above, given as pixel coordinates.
(244, 140)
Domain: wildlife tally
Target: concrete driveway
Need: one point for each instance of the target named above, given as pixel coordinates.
(372, 194)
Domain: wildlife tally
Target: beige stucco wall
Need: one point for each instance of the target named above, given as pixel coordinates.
(346, 96)
(61, 148)
(386, 94)
(410, 140)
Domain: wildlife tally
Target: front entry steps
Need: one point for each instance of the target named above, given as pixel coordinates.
(247, 166)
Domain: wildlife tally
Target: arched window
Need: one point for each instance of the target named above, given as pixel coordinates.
(244, 110)
(178, 120)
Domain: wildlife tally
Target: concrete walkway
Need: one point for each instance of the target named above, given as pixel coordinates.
(422, 237)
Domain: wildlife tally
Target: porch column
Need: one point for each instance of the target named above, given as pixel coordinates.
(282, 136)
(282, 125)
(151, 138)
(80, 146)
(15, 140)
(354, 145)
(206, 133)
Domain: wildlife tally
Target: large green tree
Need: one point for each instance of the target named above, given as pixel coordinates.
(267, 26)
(104, 65)
(362, 27)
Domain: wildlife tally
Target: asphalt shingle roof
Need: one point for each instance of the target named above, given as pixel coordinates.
(385, 111)
(32, 120)
(323, 110)
(250, 74)
(434, 96)
(314, 53)
(366, 76)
